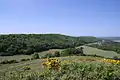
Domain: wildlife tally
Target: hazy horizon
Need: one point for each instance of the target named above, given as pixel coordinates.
(100, 18)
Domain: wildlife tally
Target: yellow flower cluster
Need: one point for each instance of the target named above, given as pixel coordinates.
(112, 61)
(52, 63)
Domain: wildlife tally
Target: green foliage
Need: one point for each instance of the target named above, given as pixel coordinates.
(14, 44)
(35, 56)
(73, 51)
(26, 68)
(8, 62)
(72, 71)
(25, 59)
(94, 55)
(116, 58)
(48, 55)
(57, 54)
(6, 54)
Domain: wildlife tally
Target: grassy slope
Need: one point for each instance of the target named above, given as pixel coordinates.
(35, 64)
(90, 50)
(18, 57)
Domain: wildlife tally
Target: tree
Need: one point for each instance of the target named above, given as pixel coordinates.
(57, 54)
(30, 43)
(35, 56)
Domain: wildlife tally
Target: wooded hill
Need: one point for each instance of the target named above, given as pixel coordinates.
(14, 44)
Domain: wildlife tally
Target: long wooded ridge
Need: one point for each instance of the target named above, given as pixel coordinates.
(14, 44)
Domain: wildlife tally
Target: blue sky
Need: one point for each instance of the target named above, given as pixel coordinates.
(70, 17)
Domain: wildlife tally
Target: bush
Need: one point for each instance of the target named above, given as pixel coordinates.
(26, 68)
(43, 57)
(32, 59)
(49, 55)
(12, 61)
(6, 54)
(8, 62)
(35, 56)
(94, 55)
(57, 54)
(116, 58)
(24, 59)
(73, 51)
(4, 62)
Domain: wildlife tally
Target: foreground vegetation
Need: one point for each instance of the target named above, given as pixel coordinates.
(71, 68)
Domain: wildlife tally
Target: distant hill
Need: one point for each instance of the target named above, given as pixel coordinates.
(13, 44)
(110, 38)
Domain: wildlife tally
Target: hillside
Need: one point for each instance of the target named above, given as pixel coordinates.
(99, 52)
(107, 45)
(13, 44)
(110, 38)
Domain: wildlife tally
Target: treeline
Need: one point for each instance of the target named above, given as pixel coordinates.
(66, 52)
(110, 46)
(15, 44)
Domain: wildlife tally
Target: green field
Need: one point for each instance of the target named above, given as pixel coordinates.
(108, 54)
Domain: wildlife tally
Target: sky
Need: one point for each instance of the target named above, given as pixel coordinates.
(69, 17)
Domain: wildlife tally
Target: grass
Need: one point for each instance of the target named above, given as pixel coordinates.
(85, 66)
(36, 66)
(19, 57)
(108, 54)
(15, 57)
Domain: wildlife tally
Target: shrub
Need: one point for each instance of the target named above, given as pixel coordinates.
(57, 54)
(6, 54)
(32, 59)
(116, 58)
(73, 51)
(4, 62)
(35, 56)
(25, 59)
(94, 55)
(26, 68)
(8, 62)
(52, 63)
(12, 61)
(48, 55)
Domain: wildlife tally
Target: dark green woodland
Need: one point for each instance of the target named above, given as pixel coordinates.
(15, 44)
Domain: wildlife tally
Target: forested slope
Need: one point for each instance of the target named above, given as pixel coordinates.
(13, 44)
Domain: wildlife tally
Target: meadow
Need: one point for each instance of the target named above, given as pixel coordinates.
(72, 68)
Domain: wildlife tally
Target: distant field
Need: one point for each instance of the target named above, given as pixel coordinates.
(90, 50)
(116, 40)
